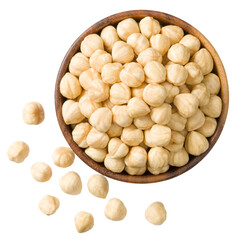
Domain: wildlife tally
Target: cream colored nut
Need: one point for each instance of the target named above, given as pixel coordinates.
(171, 90)
(120, 93)
(111, 73)
(71, 112)
(191, 42)
(132, 136)
(156, 213)
(178, 53)
(70, 86)
(149, 26)
(195, 75)
(99, 91)
(148, 139)
(158, 170)
(208, 128)
(115, 210)
(80, 133)
(176, 74)
(126, 27)
(148, 55)
(154, 94)
(121, 116)
(90, 44)
(176, 142)
(78, 64)
(97, 139)
(107, 103)
(144, 122)
(195, 121)
(101, 119)
(177, 122)
(184, 89)
(142, 144)
(70, 183)
(161, 114)
(98, 186)
(97, 154)
(114, 164)
(87, 77)
(214, 107)
(137, 157)
(109, 36)
(132, 74)
(84, 221)
(161, 43)
(138, 92)
(174, 33)
(18, 151)
(41, 172)
(33, 113)
(114, 131)
(158, 157)
(99, 58)
(49, 204)
(135, 171)
(202, 94)
(212, 83)
(186, 103)
(204, 59)
(138, 42)
(122, 52)
(137, 107)
(63, 157)
(117, 149)
(184, 132)
(155, 72)
(179, 158)
(160, 135)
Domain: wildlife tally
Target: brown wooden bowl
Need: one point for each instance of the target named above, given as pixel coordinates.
(164, 19)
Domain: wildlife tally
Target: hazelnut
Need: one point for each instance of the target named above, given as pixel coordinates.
(155, 72)
(114, 131)
(176, 142)
(111, 73)
(156, 213)
(161, 114)
(171, 91)
(158, 157)
(179, 158)
(121, 116)
(161, 43)
(177, 122)
(18, 151)
(78, 64)
(149, 26)
(117, 149)
(212, 83)
(33, 113)
(137, 107)
(136, 158)
(174, 33)
(158, 170)
(99, 91)
(214, 107)
(138, 91)
(184, 89)
(114, 164)
(202, 94)
(41, 172)
(135, 171)
(115, 210)
(184, 132)
(126, 27)
(119, 93)
(80, 133)
(149, 55)
(63, 157)
(147, 139)
(132, 136)
(107, 103)
(122, 52)
(99, 58)
(87, 77)
(144, 122)
(97, 139)
(138, 42)
(196, 143)
(109, 36)
(160, 135)
(176, 74)
(191, 42)
(71, 184)
(84, 221)
(178, 53)
(49, 204)
(195, 74)
(97, 154)
(195, 121)
(209, 127)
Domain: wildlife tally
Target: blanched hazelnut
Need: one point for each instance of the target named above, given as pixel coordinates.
(209, 127)
(109, 36)
(117, 149)
(111, 73)
(33, 113)
(171, 90)
(135, 171)
(98, 186)
(99, 91)
(71, 184)
(126, 27)
(84, 221)
(196, 143)
(184, 132)
(176, 142)
(176, 74)
(87, 77)
(156, 213)
(99, 58)
(177, 122)
(132, 136)
(49, 204)
(195, 74)
(119, 93)
(213, 108)
(41, 172)
(107, 103)
(195, 121)
(144, 122)
(142, 144)
(186, 103)
(90, 44)
(148, 55)
(158, 157)
(174, 33)
(136, 107)
(136, 158)
(114, 164)
(161, 114)
(132, 74)
(122, 52)
(115, 210)
(178, 53)
(155, 72)
(154, 94)
(204, 59)
(158, 170)
(191, 42)
(179, 158)
(184, 89)
(212, 83)
(63, 157)
(18, 151)
(121, 116)
(161, 43)
(97, 154)
(97, 139)
(80, 133)
(70, 86)
(148, 139)
(202, 93)
(138, 92)
(114, 131)
(160, 135)
(138, 42)
(78, 64)
(149, 26)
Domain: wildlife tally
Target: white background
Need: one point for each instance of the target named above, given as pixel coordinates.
(35, 35)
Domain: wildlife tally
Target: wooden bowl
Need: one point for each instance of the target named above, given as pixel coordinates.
(164, 19)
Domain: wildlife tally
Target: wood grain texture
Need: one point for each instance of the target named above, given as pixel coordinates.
(164, 19)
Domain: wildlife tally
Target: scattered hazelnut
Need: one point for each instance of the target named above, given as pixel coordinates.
(132, 136)
(174, 33)
(111, 73)
(18, 151)
(179, 158)
(161, 114)
(121, 116)
(63, 157)
(176, 74)
(191, 42)
(160, 135)
(149, 55)
(138, 42)
(136, 158)
(80, 133)
(115, 210)
(136, 107)
(209, 127)
(41, 172)
(149, 26)
(158, 157)
(212, 83)
(155, 72)
(214, 107)
(114, 164)
(109, 36)
(84, 221)
(122, 52)
(178, 53)
(156, 213)
(99, 58)
(117, 149)
(97, 154)
(120, 93)
(33, 113)
(78, 64)
(177, 122)
(161, 43)
(195, 74)
(97, 139)
(144, 122)
(49, 204)
(126, 27)
(202, 94)
(195, 121)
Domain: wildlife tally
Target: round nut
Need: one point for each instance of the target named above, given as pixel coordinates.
(78, 64)
(195, 121)
(41, 172)
(137, 107)
(84, 221)
(155, 72)
(178, 53)
(87, 77)
(214, 108)
(117, 149)
(99, 91)
(111, 73)
(195, 75)
(138, 42)
(63, 157)
(161, 114)
(107, 103)
(174, 33)
(121, 116)
(97, 139)
(119, 93)
(136, 158)
(138, 92)
(97, 154)
(171, 90)
(202, 94)
(114, 131)
(135, 171)
(109, 36)
(80, 133)
(191, 42)
(149, 55)
(179, 158)
(158, 157)
(158, 170)
(147, 139)
(115, 210)
(176, 142)
(99, 58)
(126, 27)
(114, 164)
(161, 43)
(184, 132)
(33, 113)
(18, 151)
(209, 127)
(122, 52)
(144, 122)
(176, 74)
(212, 83)
(177, 122)
(132, 136)
(149, 26)
(156, 213)
(160, 135)
(49, 204)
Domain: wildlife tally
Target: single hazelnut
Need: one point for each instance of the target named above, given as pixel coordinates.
(212, 83)
(149, 55)
(171, 90)
(18, 151)
(84, 221)
(63, 157)
(155, 72)
(161, 43)
(161, 114)
(87, 77)
(176, 142)
(99, 58)
(117, 149)
(136, 158)
(195, 121)
(109, 36)
(176, 74)
(122, 52)
(120, 93)
(97, 154)
(174, 33)
(178, 53)
(97, 139)
(158, 170)
(114, 131)
(41, 172)
(195, 75)
(209, 127)
(78, 64)
(191, 42)
(80, 133)
(33, 113)
(148, 139)
(160, 135)
(202, 94)
(156, 213)
(99, 91)
(158, 157)
(149, 26)
(49, 204)
(144, 122)
(126, 27)
(138, 42)
(121, 116)
(177, 122)
(135, 171)
(115, 210)
(214, 107)
(137, 107)
(111, 73)
(138, 91)
(132, 136)
(114, 164)
(179, 158)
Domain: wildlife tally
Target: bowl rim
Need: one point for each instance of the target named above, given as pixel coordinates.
(165, 19)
